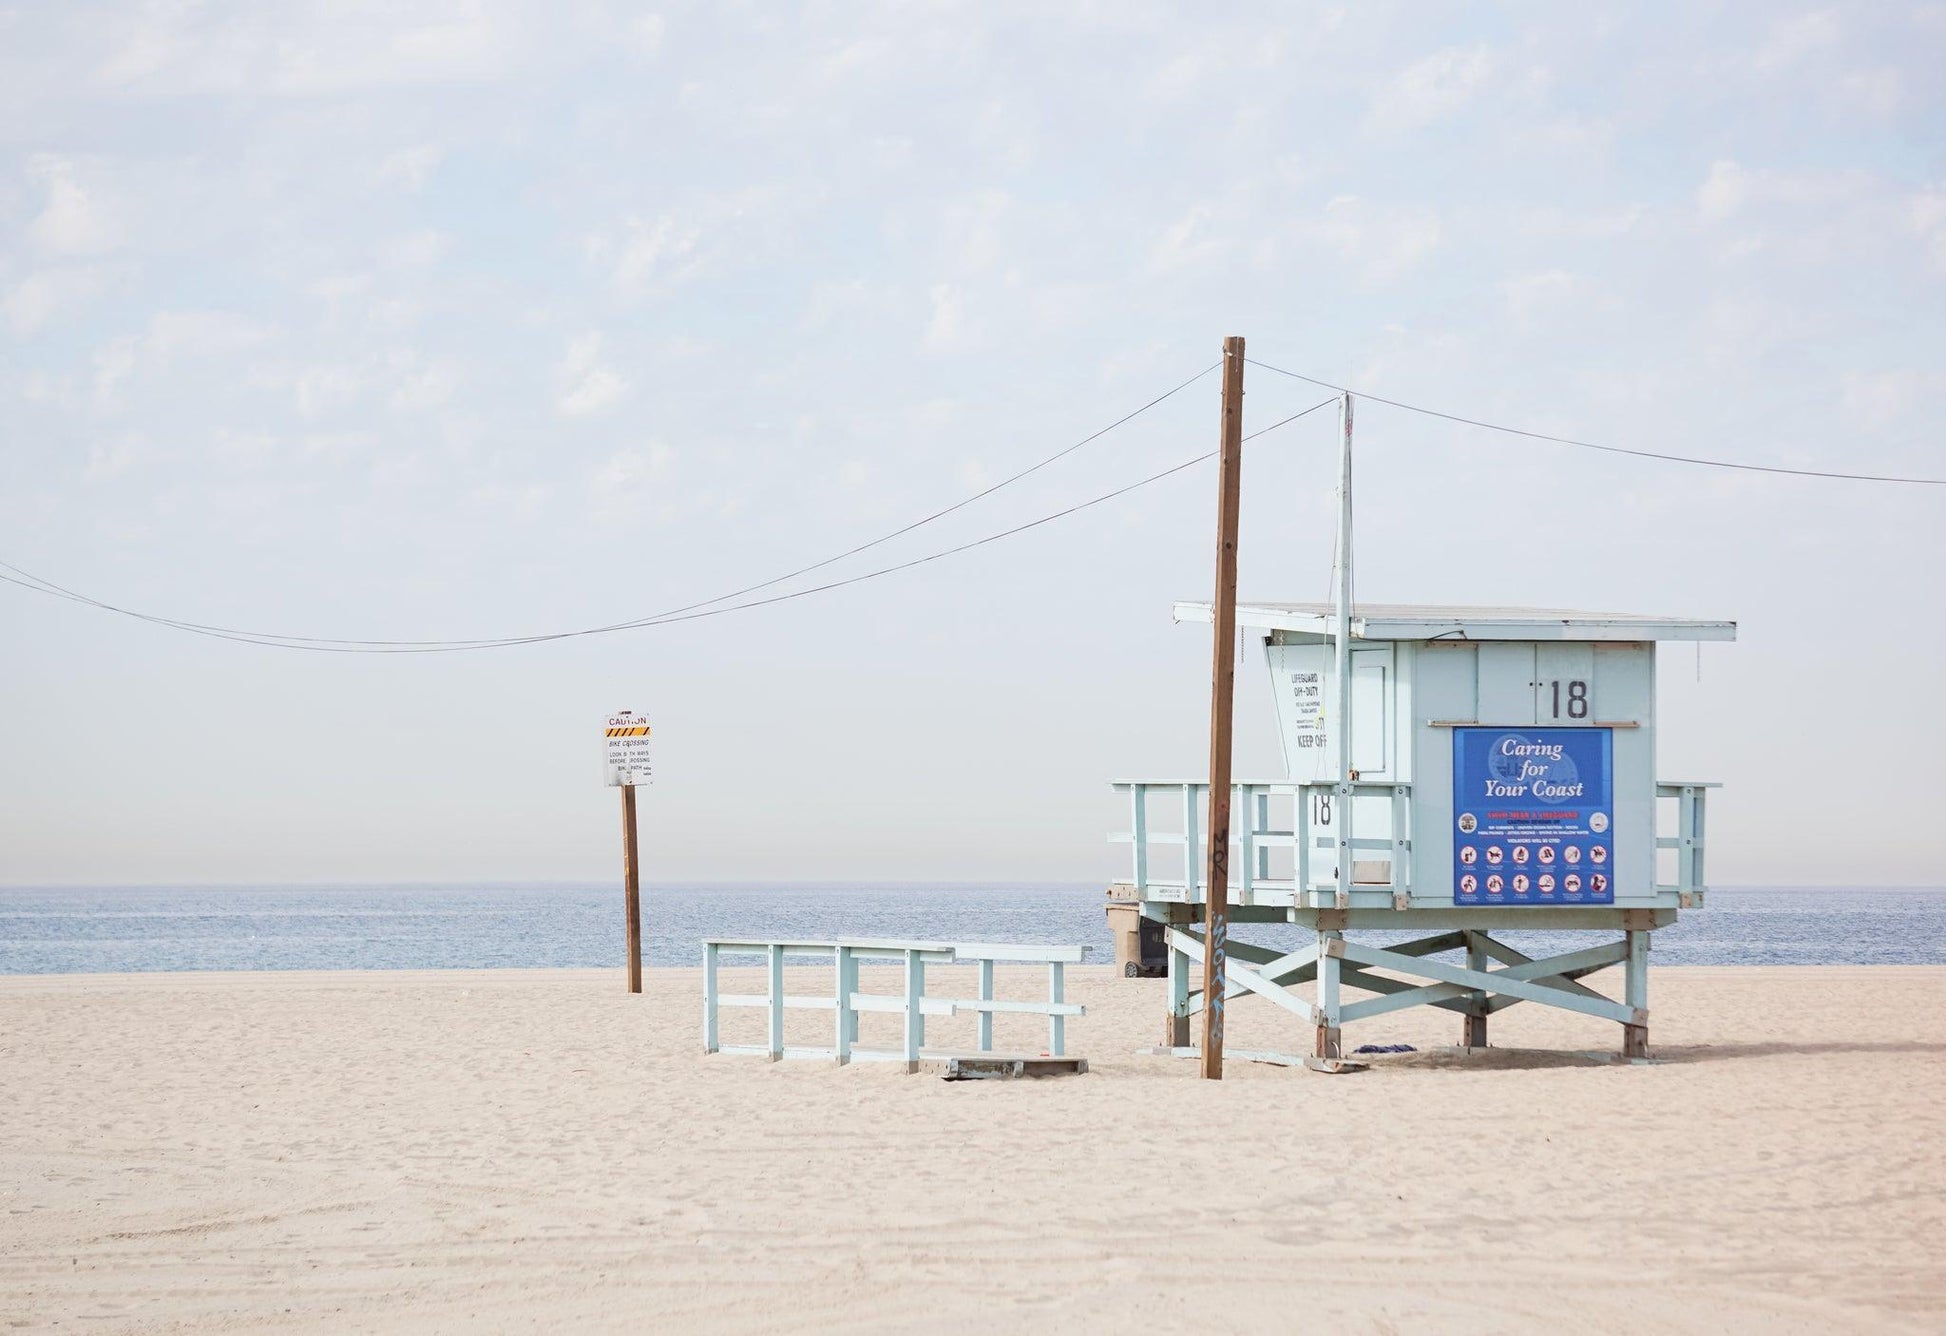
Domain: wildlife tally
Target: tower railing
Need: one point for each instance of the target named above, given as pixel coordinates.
(1286, 840)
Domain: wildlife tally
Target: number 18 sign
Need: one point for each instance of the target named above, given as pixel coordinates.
(626, 755)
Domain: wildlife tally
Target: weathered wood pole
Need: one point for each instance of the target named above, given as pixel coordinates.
(1473, 1033)
(1175, 1025)
(632, 888)
(1223, 673)
(1635, 1038)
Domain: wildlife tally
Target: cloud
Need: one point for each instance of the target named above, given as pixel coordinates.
(509, 501)
(587, 385)
(974, 240)
(111, 461)
(336, 290)
(1875, 92)
(354, 299)
(1551, 221)
(1186, 242)
(245, 449)
(37, 387)
(1434, 88)
(1533, 298)
(1877, 399)
(171, 337)
(1805, 219)
(414, 250)
(737, 229)
(656, 248)
(73, 221)
(202, 333)
(1793, 38)
(947, 325)
(1731, 188)
(37, 298)
(1189, 70)
(326, 387)
(628, 480)
(329, 49)
(631, 466)
(1737, 330)
(1723, 192)
(839, 302)
(425, 388)
(114, 364)
(410, 167)
(1926, 215)
(647, 34)
(1382, 241)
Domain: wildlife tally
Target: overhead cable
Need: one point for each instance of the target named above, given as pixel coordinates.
(302, 641)
(692, 612)
(1591, 445)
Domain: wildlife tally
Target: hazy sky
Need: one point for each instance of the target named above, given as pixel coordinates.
(425, 320)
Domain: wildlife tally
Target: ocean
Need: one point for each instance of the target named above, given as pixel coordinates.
(66, 930)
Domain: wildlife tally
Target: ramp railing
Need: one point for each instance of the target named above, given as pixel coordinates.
(847, 999)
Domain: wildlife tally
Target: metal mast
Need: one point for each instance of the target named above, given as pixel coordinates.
(1341, 725)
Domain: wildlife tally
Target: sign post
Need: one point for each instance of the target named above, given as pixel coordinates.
(632, 889)
(626, 738)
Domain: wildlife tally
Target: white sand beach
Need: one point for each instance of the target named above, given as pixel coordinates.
(518, 1150)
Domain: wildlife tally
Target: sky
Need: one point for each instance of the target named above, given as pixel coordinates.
(454, 320)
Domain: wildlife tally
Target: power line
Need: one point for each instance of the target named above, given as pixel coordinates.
(301, 641)
(692, 612)
(1591, 445)
(1281, 422)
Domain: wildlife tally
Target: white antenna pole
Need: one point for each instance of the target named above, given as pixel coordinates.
(1342, 638)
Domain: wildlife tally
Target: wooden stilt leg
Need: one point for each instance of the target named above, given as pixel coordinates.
(1329, 1043)
(1474, 1027)
(1635, 1038)
(1175, 1025)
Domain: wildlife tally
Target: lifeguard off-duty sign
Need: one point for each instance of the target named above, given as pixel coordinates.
(626, 743)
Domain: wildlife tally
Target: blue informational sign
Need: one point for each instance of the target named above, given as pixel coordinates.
(1533, 811)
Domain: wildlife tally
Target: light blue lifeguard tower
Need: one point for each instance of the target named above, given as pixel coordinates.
(1449, 772)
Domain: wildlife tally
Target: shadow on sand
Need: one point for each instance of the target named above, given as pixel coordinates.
(1726, 1052)
(1525, 1059)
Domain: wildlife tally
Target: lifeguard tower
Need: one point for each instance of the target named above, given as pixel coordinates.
(1498, 773)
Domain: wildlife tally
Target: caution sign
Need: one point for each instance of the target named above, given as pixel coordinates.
(625, 740)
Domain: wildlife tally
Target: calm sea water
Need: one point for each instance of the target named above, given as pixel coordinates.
(47, 930)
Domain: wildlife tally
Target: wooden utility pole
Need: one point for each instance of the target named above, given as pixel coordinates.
(632, 888)
(1223, 675)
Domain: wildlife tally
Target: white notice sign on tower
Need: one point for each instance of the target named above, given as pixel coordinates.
(626, 759)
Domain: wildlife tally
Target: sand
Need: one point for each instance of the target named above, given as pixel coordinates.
(527, 1150)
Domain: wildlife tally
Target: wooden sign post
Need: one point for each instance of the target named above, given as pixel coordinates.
(626, 742)
(1216, 904)
(632, 888)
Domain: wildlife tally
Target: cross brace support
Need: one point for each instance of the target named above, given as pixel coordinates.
(1475, 990)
